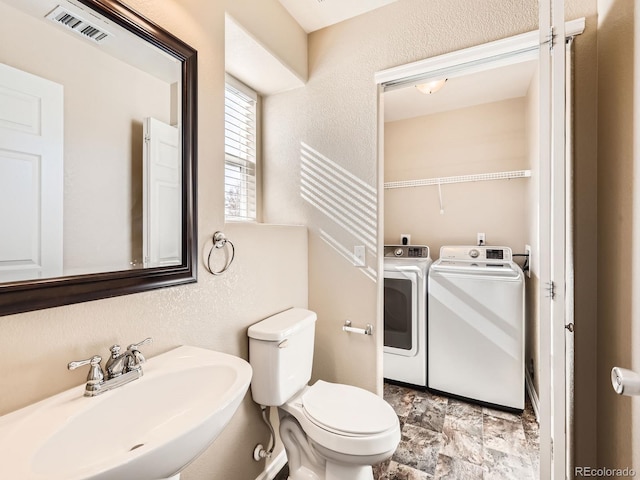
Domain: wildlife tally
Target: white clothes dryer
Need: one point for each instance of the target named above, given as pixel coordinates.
(476, 326)
(406, 269)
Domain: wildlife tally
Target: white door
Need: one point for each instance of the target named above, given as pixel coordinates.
(162, 200)
(553, 243)
(31, 176)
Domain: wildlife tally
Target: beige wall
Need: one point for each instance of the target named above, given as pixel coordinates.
(618, 234)
(213, 313)
(102, 152)
(484, 138)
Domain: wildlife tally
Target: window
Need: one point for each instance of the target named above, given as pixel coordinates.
(240, 148)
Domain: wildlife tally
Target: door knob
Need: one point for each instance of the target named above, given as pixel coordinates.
(625, 382)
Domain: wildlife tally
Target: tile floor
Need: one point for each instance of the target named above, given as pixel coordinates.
(444, 438)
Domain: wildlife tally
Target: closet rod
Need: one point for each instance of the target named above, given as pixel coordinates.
(458, 179)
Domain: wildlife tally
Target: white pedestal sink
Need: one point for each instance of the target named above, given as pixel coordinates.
(149, 429)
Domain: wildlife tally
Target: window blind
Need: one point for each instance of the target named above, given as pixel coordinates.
(240, 125)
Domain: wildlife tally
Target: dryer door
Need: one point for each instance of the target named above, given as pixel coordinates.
(401, 312)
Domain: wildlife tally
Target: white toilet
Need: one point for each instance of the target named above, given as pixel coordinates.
(330, 431)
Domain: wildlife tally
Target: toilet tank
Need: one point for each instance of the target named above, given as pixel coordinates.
(281, 355)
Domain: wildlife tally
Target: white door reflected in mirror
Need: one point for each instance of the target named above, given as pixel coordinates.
(31, 176)
(162, 180)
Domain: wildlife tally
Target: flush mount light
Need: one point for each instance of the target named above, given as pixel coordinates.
(431, 87)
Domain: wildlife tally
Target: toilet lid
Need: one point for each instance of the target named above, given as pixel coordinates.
(347, 409)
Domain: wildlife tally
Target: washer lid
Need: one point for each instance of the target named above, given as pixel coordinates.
(493, 269)
(348, 409)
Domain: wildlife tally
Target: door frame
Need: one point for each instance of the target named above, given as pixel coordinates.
(502, 52)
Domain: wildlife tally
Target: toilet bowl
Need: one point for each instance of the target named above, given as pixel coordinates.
(330, 431)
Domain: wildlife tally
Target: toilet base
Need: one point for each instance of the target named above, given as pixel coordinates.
(351, 472)
(333, 472)
(310, 461)
(303, 473)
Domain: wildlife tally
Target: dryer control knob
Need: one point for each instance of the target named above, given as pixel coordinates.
(473, 253)
(398, 252)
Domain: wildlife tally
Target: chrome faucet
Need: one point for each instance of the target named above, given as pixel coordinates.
(120, 369)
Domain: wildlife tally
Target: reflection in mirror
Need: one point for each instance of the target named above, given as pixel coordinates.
(96, 117)
(78, 91)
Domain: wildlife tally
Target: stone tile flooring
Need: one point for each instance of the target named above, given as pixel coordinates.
(444, 438)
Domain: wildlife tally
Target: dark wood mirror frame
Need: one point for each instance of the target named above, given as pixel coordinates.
(31, 295)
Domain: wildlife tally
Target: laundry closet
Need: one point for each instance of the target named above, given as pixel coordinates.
(441, 151)
(461, 167)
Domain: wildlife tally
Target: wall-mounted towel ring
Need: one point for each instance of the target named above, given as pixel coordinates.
(219, 241)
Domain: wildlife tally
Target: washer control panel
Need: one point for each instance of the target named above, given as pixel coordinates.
(406, 251)
(476, 253)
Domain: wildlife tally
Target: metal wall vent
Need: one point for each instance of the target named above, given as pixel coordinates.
(76, 23)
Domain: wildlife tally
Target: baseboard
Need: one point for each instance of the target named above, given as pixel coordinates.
(533, 395)
(274, 467)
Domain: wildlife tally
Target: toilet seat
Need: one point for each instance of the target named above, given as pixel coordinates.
(345, 419)
(347, 410)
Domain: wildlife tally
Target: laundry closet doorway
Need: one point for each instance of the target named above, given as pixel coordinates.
(473, 159)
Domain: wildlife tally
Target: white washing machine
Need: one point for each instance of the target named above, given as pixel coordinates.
(406, 269)
(476, 325)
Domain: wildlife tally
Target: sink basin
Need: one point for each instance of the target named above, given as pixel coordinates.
(149, 429)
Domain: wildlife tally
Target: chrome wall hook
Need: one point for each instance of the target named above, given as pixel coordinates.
(220, 241)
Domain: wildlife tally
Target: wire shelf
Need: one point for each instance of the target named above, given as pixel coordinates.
(481, 177)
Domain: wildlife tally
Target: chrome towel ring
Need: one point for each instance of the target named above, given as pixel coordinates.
(219, 241)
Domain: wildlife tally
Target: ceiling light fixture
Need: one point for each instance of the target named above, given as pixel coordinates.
(431, 87)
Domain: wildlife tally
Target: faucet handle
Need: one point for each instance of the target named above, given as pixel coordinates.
(136, 346)
(95, 375)
(94, 361)
(135, 357)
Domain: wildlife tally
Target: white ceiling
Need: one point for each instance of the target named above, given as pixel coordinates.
(511, 81)
(313, 15)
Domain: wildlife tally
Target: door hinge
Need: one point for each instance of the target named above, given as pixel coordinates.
(551, 289)
(551, 39)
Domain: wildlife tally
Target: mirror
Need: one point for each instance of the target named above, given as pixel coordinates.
(97, 154)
